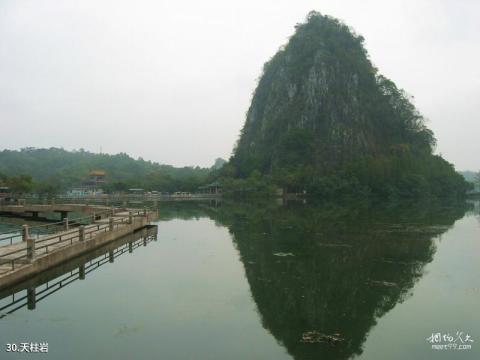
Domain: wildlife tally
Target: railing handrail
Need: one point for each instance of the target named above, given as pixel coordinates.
(70, 221)
(14, 252)
(68, 277)
(76, 233)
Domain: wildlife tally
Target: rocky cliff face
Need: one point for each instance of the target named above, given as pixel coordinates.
(320, 97)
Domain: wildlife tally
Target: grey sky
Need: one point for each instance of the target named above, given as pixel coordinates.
(171, 80)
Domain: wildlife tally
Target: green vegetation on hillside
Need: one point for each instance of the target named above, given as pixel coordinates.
(325, 122)
(53, 170)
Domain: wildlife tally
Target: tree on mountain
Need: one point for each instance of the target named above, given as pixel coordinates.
(20, 184)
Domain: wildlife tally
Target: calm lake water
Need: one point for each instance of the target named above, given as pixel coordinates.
(264, 281)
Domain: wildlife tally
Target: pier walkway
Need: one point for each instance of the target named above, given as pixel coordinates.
(63, 209)
(25, 255)
(29, 292)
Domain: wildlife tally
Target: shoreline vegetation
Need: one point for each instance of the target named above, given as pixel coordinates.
(364, 180)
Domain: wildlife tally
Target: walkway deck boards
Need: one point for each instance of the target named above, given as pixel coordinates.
(48, 244)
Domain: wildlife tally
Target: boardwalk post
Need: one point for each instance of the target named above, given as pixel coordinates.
(30, 249)
(81, 272)
(31, 298)
(110, 224)
(130, 217)
(65, 222)
(81, 233)
(24, 232)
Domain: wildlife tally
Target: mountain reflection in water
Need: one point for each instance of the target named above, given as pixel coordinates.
(322, 275)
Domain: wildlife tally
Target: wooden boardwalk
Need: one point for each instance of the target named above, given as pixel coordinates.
(33, 255)
(29, 292)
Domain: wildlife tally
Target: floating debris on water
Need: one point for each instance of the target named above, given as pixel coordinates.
(382, 283)
(314, 336)
(283, 254)
(414, 228)
(127, 330)
(388, 261)
(472, 291)
(334, 245)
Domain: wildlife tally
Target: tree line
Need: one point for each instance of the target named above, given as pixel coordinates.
(56, 170)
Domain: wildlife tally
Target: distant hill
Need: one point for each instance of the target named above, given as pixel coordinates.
(324, 120)
(219, 162)
(470, 176)
(69, 168)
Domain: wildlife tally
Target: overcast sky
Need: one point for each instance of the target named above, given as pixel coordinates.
(171, 81)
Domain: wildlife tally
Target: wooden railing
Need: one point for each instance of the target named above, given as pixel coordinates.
(39, 230)
(19, 299)
(66, 237)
